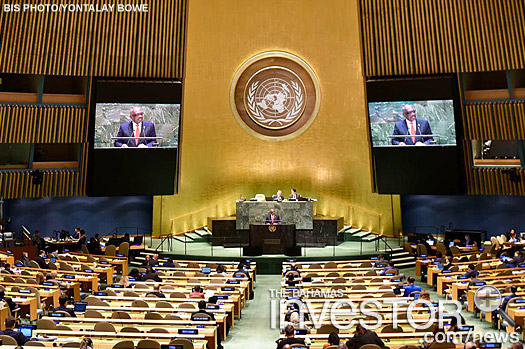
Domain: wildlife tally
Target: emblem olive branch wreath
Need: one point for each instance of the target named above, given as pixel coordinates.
(290, 116)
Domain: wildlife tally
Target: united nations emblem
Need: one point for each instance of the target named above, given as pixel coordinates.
(272, 228)
(275, 95)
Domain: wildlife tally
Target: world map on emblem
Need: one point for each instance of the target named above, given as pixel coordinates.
(275, 97)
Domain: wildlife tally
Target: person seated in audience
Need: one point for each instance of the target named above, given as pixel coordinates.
(471, 271)
(154, 261)
(38, 241)
(243, 264)
(7, 269)
(221, 270)
(12, 305)
(52, 277)
(362, 337)
(400, 284)
(292, 317)
(135, 274)
(114, 240)
(124, 281)
(202, 310)
(516, 345)
(512, 236)
(448, 262)
(126, 238)
(411, 287)
(94, 245)
(423, 296)
(471, 345)
(157, 292)
(197, 292)
(468, 241)
(82, 237)
(25, 259)
(40, 278)
(474, 280)
(381, 261)
(506, 300)
(333, 339)
(10, 331)
(151, 275)
(290, 339)
(516, 260)
(293, 268)
(40, 259)
(146, 261)
(389, 266)
(169, 263)
(439, 332)
(290, 280)
(62, 301)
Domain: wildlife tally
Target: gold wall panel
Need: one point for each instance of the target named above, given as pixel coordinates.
(409, 37)
(119, 44)
(221, 162)
(495, 120)
(42, 124)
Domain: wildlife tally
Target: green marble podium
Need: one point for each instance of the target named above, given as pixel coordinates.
(299, 213)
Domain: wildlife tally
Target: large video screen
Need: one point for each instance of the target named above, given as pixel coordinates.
(412, 123)
(136, 125)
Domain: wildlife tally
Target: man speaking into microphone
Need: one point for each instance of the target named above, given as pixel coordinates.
(132, 133)
(272, 218)
(413, 128)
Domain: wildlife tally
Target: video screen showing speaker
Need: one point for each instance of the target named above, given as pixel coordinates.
(136, 125)
(409, 123)
(134, 135)
(414, 123)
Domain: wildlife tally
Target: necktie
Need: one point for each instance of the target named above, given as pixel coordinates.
(413, 131)
(137, 134)
(273, 219)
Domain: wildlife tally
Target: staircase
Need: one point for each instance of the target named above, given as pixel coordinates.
(402, 259)
(350, 233)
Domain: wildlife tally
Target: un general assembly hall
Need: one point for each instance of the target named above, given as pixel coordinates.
(314, 174)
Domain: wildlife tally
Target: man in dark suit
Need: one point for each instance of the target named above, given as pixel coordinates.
(10, 331)
(290, 338)
(362, 337)
(40, 260)
(62, 300)
(272, 218)
(279, 196)
(294, 195)
(137, 127)
(413, 128)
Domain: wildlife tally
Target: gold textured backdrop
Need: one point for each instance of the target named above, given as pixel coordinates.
(220, 161)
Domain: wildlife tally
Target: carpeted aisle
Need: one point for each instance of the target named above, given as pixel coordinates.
(253, 331)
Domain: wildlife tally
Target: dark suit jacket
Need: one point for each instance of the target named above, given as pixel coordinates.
(297, 196)
(18, 336)
(289, 341)
(422, 128)
(41, 262)
(126, 130)
(277, 198)
(276, 219)
(358, 340)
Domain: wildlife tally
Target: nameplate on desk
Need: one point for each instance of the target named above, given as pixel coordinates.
(490, 345)
(104, 262)
(66, 250)
(272, 241)
(188, 331)
(69, 276)
(19, 265)
(462, 277)
(212, 306)
(120, 255)
(9, 252)
(479, 283)
(118, 286)
(24, 291)
(228, 288)
(233, 282)
(239, 275)
(101, 293)
(88, 271)
(131, 279)
(466, 328)
(447, 271)
(222, 297)
(520, 301)
(372, 259)
(201, 318)
(57, 314)
(47, 283)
